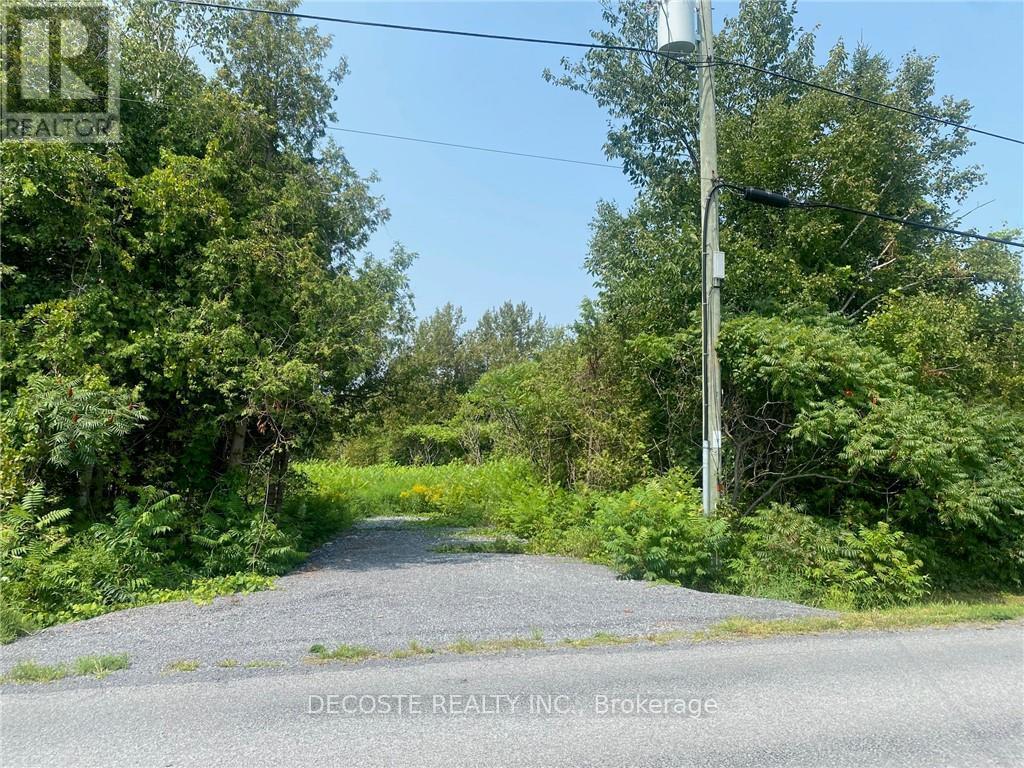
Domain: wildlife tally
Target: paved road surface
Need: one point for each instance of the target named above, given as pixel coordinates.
(929, 698)
(948, 697)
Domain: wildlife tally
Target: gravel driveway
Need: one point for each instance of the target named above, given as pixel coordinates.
(383, 584)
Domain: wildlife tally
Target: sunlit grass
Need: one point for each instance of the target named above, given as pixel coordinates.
(95, 666)
(343, 652)
(934, 614)
(31, 672)
(101, 666)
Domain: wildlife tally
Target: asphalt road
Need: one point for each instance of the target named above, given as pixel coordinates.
(950, 697)
(928, 698)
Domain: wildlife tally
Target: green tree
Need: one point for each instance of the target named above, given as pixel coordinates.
(185, 311)
(505, 335)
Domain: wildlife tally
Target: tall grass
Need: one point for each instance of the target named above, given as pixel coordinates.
(462, 493)
(653, 531)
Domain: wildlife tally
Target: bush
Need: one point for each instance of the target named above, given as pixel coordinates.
(153, 548)
(788, 555)
(428, 444)
(657, 530)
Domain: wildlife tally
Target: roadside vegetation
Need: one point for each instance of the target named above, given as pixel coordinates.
(984, 610)
(190, 314)
(656, 531)
(183, 313)
(873, 396)
(85, 666)
(977, 609)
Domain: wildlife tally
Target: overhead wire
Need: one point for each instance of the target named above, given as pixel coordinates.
(599, 46)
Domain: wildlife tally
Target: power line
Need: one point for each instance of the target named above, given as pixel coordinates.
(751, 194)
(865, 100)
(454, 145)
(776, 200)
(600, 46)
(410, 28)
(475, 148)
(812, 204)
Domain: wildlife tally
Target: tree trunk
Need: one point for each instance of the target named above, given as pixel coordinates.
(85, 486)
(278, 470)
(237, 452)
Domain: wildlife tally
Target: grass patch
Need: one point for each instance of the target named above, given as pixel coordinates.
(414, 649)
(182, 665)
(599, 639)
(938, 614)
(94, 666)
(463, 646)
(101, 666)
(227, 663)
(343, 652)
(263, 664)
(1005, 608)
(30, 672)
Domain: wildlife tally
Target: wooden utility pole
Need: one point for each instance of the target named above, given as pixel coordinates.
(713, 265)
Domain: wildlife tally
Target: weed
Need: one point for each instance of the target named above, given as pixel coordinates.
(101, 666)
(603, 638)
(414, 649)
(182, 665)
(912, 617)
(30, 672)
(462, 645)
(96, 666)
(227, 663)
(343, 652)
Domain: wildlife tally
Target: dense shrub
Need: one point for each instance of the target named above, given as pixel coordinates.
(653, 531)
(785, 554)
(150, 549)
(658, 531)
(428, 444)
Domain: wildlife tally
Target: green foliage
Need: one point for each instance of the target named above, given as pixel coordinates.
(573, 413)
(785, 554)
(342, 652)
(424, 383)
(80, 426)
(151, 552)
(654, 531)
(428, 444)
(101, 666)
(31, 672)
(184, 313)
(861, 437)
(657, 531)
(91, 666)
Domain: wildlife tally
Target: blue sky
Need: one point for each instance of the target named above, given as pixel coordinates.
(489, 228)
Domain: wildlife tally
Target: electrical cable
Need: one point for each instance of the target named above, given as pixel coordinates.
(599, 46)
(475, 148)
(776, 200)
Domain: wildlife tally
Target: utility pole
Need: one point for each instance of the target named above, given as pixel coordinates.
(678, 34)
(714, 264)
